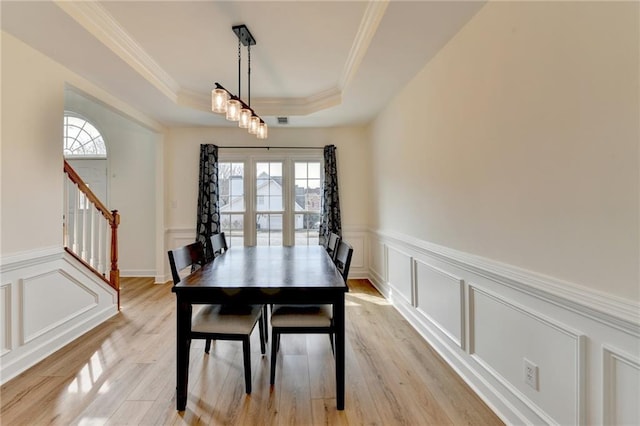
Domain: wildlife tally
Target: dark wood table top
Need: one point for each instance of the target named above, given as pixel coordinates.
(264, 268)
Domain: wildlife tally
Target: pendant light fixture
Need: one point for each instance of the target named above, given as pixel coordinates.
(225, 102)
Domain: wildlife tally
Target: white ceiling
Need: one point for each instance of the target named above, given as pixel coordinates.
(320, 63)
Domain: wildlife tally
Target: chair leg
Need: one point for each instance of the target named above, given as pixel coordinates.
(207, 346)
(332, 348)
(266, 323)
(262, 339)
(275, 339)
(246, 351)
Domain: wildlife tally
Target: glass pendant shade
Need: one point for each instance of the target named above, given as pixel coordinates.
(233, 110)
(225, 102)
(262, 131)
(245, 118)
(219, 98)
(253, 125)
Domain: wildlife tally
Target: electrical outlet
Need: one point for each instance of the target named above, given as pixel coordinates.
(531, 374)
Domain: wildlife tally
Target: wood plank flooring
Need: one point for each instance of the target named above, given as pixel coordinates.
(123, 372)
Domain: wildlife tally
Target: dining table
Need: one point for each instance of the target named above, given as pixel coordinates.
(262, 275)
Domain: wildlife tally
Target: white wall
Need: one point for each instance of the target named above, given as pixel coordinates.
(181, 155)
(506, 211)
(131, 150)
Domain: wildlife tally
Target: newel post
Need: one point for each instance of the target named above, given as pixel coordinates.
(114, 275)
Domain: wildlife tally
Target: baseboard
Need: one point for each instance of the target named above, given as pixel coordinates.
(137, 273)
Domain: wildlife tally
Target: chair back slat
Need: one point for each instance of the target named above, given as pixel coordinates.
(183, 257)
(218, 244)
(343, 258)
(332, 245)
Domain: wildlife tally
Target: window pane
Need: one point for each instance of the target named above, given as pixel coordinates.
(81, 138)
(231, 186)
(269, 182)
(269, 229)
(306, 229)
(308, 202)
(314, 170)
(301, 170)
(233, 227)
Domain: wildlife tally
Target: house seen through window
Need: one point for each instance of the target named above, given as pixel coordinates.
(283, 203)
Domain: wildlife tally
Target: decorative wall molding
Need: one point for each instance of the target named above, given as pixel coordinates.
(614, 401)
(28, 258)
(613, 311)
(578, 361)
(5, 324)
(36, 319)
(560, 330)
(401, 280)
(51, 322)
(454, 280)
(457, 359)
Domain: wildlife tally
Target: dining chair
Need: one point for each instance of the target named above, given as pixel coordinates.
(219, 322)
(332, 245)
(342, 260)
(307, 319)
(219, 246)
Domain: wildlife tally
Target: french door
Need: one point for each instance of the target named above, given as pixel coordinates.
(270, 200)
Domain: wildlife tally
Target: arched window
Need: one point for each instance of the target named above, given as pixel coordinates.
(82, 139)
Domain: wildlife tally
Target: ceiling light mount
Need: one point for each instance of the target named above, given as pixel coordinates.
(244, 35)
(225, 102)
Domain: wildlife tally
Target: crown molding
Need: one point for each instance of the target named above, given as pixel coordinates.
(368, 27)
(101, 24)
(96, 20)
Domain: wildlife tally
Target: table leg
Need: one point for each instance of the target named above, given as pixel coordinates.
(338, 318)
(183, 344)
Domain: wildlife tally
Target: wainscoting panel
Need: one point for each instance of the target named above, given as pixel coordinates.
(377, 259)
(6, 312)
(48, 299)
(505, 335)
(357, 237)
(485, 318)
(400, 275)
(440, 298)
(39, 315)
(621, 384)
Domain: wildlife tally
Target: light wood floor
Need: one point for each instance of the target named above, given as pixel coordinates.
(123, 372)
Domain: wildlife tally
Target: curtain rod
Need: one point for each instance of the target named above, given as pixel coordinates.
(271, 147)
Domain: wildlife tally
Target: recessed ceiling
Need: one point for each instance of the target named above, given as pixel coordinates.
(320, 63)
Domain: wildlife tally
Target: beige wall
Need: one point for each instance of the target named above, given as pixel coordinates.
(519, 142)
(31, 176)
(181, 166)
(33, 103)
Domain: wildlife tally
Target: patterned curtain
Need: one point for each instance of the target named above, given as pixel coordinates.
(331, 201)
(208, 220)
